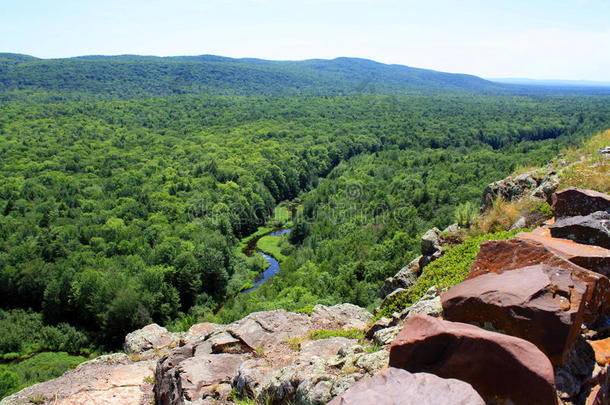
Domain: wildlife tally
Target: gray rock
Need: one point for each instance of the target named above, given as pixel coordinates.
(385, 336)
(372, 362)
(150, 337)
(430, 242)
(453, 228)
(593, 229)
(514, 188)
(405, 278)
(521, 223)
(395, 386)
(346, 316)
(429, 304)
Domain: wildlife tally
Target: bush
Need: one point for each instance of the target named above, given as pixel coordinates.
(465, 214)
(449, 270)
(9, 383)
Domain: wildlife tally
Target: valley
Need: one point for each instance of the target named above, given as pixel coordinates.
(144, 196)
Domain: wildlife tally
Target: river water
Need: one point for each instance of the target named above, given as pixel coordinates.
(274, 265)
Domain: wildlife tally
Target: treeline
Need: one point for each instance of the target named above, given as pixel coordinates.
(116, 214)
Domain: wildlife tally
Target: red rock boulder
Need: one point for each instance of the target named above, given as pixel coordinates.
(574, 201)
(500, 367)
(395, 386)
(594, 258)
(542, 304)
(498, 256)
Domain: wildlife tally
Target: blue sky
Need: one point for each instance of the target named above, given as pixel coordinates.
(558, 39)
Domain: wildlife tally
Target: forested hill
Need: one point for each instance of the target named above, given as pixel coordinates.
(135, 76)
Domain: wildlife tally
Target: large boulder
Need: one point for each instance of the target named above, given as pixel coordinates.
(541, 304)
(573, 201)
(430, 242)
(498, 256)
(594, 258)
(593, 229)
(499, 367)
(107, 380)
(150, 337)
(396, 386)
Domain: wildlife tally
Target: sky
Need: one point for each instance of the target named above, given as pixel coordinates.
(539, 39)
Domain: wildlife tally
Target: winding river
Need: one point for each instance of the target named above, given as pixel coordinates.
(274, 265)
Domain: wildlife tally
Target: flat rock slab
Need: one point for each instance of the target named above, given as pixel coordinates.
(593, 258)
(107, 380)
(574, 201)
(499, 367)
(499, 256)
(399, 387)
(541, 304)
(593, 229)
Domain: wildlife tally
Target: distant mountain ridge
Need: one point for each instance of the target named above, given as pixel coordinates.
(133, 75)
(551, 82)
(128, 76)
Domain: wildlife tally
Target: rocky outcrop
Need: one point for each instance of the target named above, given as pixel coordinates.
(573, 201)
(268, 355)
(499, 256)
(498, 366)
(107, 380)
(530, 184)
(549, 302)
(431, 247)
(593, 229)
(397, 386)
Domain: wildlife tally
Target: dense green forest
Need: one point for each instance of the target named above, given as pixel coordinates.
(115, 213)
(129, 76)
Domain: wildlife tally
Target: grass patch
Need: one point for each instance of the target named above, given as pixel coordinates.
(271, 245)
(589, 169)
(41, 367)
(449, 270)
(261, 231)
(328, 333)
(294, 342)
(307, 309)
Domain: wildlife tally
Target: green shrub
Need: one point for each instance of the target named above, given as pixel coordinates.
(307, 309)
(9, 383)
(543, 209)
(465, 214)
(449, 270)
